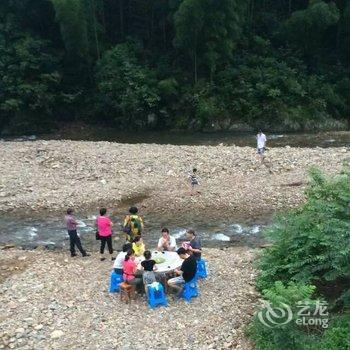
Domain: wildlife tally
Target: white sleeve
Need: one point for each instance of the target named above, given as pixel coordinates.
(173, 242)
(160, 242)
(116, 262)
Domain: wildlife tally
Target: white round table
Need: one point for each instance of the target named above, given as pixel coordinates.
(172, 261)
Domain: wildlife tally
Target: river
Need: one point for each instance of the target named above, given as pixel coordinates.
(317, 139)
(50, 231)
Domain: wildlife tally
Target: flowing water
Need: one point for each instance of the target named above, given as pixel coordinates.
(319, 139)
(51, 232)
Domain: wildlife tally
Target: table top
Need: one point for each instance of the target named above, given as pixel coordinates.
(172, 261)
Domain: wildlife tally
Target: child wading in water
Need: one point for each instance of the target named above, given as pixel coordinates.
(193, 180)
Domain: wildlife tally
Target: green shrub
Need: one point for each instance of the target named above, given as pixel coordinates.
(336, 337)
(309, 259)
(268, 90)
(127, 92)
(312, 243)
(28, 84)
(274, 326)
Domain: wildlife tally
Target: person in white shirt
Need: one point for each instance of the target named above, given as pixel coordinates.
(166, 242)
(261, 142)
(118, 262)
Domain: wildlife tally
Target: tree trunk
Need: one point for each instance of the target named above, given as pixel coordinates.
(195, 66)
(251, 13)
(152, 23)
(103, 17)
(289, 7)
(164, 34)
(195, 59)
(93, 10)
(121, 19)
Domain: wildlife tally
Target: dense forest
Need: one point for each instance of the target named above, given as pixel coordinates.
(191, 64)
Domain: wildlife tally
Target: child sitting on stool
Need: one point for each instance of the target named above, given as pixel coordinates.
(149, 266)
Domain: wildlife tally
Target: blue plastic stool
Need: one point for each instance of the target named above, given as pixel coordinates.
(201, 269)
(190, 290)
(156, 295)
(115, 281)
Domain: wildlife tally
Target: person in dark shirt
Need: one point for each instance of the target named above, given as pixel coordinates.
(186, 273)
(148, 266)
(195, 244)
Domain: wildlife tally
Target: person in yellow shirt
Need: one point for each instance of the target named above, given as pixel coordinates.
(133, 224)
(138, 246)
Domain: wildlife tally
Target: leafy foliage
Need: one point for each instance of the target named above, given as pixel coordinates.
(200, 64)
(208, 30)
(283, 335)
(306, 29)
(309, 259)
(317, 239)
(127, 91)
(266, 89)
(337, 337)
(29, 81)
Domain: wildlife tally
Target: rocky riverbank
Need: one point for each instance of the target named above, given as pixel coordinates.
(51, 175)
(51, 301)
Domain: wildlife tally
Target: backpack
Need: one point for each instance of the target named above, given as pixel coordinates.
(133, 226)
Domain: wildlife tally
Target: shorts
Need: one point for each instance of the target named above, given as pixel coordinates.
(261, 151)
(177, 280)
(148, 277)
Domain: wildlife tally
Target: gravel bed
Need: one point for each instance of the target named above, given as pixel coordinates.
(51, 175)
(59, 302)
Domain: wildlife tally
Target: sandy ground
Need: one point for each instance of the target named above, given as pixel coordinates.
(58, 302)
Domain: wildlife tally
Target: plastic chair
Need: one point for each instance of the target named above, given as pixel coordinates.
(115, 282)
(156, 295)
(201, 269)
(190, 290)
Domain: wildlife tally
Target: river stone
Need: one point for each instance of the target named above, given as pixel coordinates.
(56, 334)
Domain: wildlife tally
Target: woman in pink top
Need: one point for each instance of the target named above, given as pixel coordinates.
(104, 228)
(130, 269)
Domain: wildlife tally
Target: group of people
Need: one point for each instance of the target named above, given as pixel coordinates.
(125, 262)
(134, 250)
(132, 227)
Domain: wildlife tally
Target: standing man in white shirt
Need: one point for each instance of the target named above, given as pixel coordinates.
(261, 142)
(166, 242)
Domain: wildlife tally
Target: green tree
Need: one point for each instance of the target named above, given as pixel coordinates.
(317, 239)
(127, 92)
(29, 82)
(208, 31)
(71, 16)
(306, 29)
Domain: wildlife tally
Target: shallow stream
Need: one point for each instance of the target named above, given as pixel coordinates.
(50, 231)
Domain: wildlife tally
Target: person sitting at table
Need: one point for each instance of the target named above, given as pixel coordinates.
(149, 266)
(130, 269)
(118, 263)
(138, 246)
(166, 242)
(194, 246)
(186, 273)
